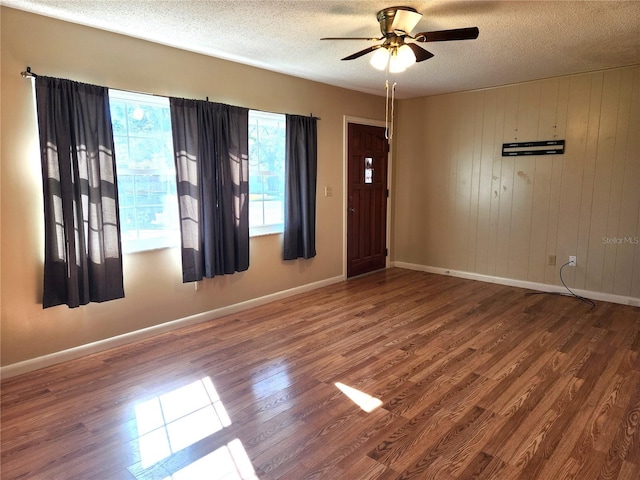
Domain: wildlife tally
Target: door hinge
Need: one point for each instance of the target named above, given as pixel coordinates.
(386, 252)
(387, 193)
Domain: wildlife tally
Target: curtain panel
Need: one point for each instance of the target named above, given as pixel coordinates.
(83, 255)
(211, 143)
(301, 171)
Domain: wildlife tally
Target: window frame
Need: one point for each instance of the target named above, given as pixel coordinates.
(272, 228)
(167, 237)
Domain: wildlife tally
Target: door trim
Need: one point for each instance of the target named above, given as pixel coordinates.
(345, 172)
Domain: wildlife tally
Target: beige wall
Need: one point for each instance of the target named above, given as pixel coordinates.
(457, 203)
(460, 205)
(153, 288)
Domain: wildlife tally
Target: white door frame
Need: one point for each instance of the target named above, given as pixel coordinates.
(345, 169)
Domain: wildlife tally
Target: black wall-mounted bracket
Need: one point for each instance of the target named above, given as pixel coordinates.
(545, 147)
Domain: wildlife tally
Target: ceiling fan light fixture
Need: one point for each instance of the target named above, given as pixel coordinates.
(395, 64)
(380, 58)
(406, 56)
(399, 49)
(398, 59)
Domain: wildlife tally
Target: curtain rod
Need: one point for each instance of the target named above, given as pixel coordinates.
(279, 113)
(29, 74)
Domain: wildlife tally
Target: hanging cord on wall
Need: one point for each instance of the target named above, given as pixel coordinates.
(588, 301)
(389, 105)
(393, 103)
(386, 110)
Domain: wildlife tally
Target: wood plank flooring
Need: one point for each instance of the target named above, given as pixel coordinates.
(475, 380)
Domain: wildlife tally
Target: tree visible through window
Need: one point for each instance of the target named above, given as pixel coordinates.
(145, 170)
(266, 172)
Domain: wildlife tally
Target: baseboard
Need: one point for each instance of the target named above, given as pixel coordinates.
(119, 340)
(542, 287)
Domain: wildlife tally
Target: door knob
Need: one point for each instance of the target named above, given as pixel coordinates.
(351, 209)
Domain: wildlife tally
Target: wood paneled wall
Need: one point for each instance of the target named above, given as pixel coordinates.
(459, 204)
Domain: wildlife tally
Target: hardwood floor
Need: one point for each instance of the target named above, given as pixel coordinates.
(475, 381)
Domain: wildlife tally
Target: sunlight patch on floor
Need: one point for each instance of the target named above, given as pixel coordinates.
(365, 401)
(226, 463)
(173, 421)
(176, 420)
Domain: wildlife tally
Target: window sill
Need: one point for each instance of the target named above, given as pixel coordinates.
(149, 244)
(266, 230)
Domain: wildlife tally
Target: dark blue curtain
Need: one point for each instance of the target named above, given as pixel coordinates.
(211, 143)
(83, 256)
(301, 171)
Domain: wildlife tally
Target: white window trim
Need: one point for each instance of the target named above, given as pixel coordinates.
(149, 244)
(167, 238)
(265, 230)
(276, 228)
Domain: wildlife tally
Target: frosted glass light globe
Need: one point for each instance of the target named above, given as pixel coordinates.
(380, 58)
(396, 65)
(406, 56)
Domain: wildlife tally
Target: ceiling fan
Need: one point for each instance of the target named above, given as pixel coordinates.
(395, 52)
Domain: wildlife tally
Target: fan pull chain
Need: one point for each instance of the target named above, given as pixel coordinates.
(388, 132)
(386, 111)
(393, 101)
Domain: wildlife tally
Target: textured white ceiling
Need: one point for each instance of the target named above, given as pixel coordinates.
(519, 40)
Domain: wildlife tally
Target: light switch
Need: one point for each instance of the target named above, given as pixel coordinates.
(328, 192)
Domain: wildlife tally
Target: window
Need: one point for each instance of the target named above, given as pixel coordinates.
(266, 172)
(368, 170)
(146, 171)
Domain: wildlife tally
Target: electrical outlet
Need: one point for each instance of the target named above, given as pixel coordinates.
(572, 261)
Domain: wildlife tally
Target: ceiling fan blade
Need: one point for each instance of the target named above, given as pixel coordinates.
(420, 53)
(362, 52)
(371, 39)
(470, 33)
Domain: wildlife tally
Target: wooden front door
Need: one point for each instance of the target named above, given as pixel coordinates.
(366, 199)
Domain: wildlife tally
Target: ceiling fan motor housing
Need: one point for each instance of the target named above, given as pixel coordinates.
(387, 16)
